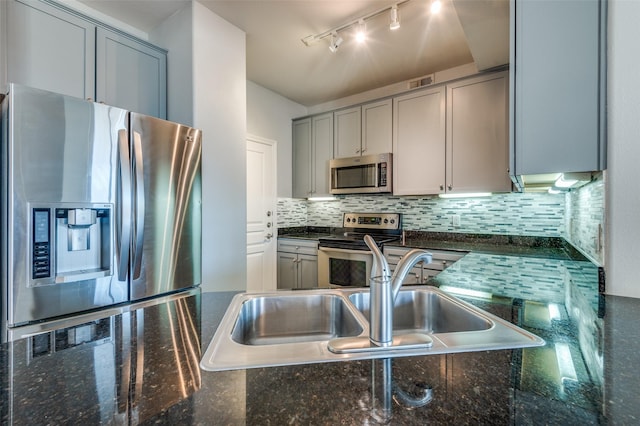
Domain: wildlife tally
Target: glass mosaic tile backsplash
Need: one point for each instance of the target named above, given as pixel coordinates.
(511, 214)
(576, 216)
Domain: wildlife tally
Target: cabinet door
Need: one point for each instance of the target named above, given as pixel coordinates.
(558, 72)
(50, 49)
(477, 135)
(377, 132)
(322, 129)
(130, 74)
(287, 270)
(308, 271)
(347, 132)
(301, 158)
(419, 143)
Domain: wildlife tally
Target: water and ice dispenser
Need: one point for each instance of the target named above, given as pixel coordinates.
(71, 243)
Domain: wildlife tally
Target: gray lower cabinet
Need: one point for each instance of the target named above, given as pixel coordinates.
(297, 263)
(420, 274)
(558, 92)
(51, 47)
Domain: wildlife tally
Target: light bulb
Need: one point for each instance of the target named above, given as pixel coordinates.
(361, 32)
(436, 6)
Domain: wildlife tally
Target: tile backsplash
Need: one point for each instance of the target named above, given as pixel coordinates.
(577, 216)
(510, 214)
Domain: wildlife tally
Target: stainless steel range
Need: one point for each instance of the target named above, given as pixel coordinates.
(344, 260)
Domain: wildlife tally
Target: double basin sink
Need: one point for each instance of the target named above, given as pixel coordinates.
(296, 327)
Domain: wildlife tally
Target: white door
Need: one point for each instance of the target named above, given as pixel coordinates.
(261, 214)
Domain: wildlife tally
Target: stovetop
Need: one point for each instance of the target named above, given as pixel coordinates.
(382, 227)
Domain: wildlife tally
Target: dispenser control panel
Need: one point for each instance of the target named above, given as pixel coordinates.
(41, 245)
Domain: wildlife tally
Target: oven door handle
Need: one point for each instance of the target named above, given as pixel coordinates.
(341, 250)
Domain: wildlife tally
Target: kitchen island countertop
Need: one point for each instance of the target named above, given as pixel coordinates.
(143, 368)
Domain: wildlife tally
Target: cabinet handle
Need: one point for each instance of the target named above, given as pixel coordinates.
(268, 224)
(363, 150)
(441, 187)
(269, 237)
(450, 187)
(269, 213)
(357, 151)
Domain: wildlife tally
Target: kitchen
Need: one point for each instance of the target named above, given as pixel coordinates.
(225, 270)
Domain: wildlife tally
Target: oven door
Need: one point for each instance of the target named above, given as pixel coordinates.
(343, 267)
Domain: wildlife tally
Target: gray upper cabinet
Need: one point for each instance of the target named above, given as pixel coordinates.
(377, 134)
(363, 130)
(50, 49)
(558, 86)
(347, 132)
(301, 158)
(130, 74)
(477, 156)
(419, 142)
(312, 150)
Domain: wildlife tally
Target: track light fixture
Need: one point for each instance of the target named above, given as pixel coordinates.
(360, 24)
(436, 5)
(394, 22)
(361, 31)
(335, 42)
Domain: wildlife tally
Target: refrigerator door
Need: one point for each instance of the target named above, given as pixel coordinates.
(166, 236)
(59, 192)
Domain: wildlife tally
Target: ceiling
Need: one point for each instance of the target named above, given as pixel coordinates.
(464, 31)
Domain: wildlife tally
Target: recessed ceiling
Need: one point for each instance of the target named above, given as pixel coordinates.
(464, 31)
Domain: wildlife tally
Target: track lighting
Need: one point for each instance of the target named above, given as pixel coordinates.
(335, 42)
(436, 5)
(394, 22)
(359, 25)
(361, 31)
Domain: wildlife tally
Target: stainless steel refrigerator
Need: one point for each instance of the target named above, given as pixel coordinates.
(100, 206)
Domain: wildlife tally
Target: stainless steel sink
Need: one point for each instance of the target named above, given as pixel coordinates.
(269, 320)
(294, 327)
(427, 312)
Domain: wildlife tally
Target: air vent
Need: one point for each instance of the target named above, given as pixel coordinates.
(421, 82)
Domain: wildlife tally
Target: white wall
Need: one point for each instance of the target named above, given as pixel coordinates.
(269, 116)
(176, 35)
(220, 108)
(207, 88)
(623, 195)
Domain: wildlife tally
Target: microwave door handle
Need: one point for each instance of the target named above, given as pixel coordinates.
(125, 205)
(140, 204)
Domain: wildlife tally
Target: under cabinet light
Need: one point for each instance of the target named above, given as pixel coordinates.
(466, 195)
(572, 180)
(321, 199)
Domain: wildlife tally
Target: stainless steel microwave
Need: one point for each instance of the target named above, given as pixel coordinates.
(364, 174)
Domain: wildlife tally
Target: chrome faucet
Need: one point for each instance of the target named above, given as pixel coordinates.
(384, 289)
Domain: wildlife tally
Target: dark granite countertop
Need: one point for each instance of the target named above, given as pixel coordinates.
(543, 247)
(142, 367)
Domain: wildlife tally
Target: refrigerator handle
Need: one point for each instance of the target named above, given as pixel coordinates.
(125, 202)
(140, 204)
